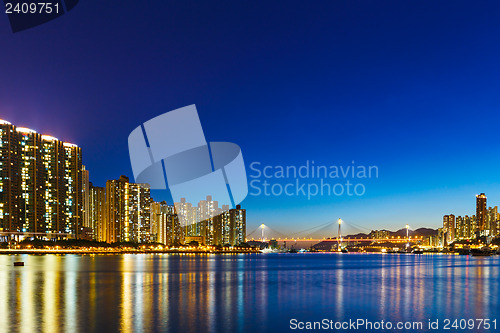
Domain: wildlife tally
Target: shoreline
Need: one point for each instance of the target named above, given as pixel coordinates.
(90, 252)
(253, 251)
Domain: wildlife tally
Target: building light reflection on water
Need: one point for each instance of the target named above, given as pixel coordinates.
(51, 279)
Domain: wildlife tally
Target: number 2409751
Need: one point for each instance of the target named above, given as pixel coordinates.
(32, 8)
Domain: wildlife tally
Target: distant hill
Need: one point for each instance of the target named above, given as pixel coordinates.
(418, 232)
(360, 235)
(402, 232)
(426, 232)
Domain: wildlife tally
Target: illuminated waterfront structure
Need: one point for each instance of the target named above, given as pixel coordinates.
(449, 228)
(165, 225)
(116, 212)
(481, 213)
(188, 217)
(210, 224)
(222, 227)
(139, 213)
(230, 226)
(379, 234)
(86, 218)
(460, 227)
(441, 237)
(40, 184)
(127, 213)
(207, 210)
(486, 222)
(237, 225)
(471, 222)
(492, 219)
(97, 211)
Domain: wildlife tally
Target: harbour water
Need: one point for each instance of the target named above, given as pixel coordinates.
(242, 293)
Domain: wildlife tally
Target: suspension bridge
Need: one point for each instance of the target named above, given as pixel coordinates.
(326, 233)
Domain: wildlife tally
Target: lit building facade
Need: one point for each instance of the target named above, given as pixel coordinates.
(139, 200)
(449, 228)
(165, 225)
(127, 211)
(211, 224)
(97, 211)
(492, 219)
(380, 234)
(86, 220)
(238, 225)
(207, 210)
(40, 184)
(481, 213)
(460, 227)
(229, 227)
(116, 210)
(188, 217)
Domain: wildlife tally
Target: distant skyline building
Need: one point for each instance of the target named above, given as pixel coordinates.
(40, 184)
(139, 212)
(207, 210)
(45, 192)
(237, 225)
(379, 234)
(188, 217)
(210, 224)
(165, 225)
(460, 227)
(449, 228)
(228, 227)
(86, 218)
(486, 223)
(492, 219)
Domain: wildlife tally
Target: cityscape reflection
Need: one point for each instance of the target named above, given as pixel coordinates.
(234, 293)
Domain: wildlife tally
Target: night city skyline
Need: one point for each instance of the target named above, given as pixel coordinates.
(342, 95)
(249, 166)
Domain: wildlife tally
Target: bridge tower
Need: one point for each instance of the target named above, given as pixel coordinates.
(407, 236)
(339, 236)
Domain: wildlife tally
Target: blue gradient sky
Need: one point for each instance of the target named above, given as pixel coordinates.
(409, 86)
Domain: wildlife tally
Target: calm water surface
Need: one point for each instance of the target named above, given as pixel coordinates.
(239, 293)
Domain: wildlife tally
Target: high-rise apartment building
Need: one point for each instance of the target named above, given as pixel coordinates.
(460, 229)
(467, 224)
(380, 234)
(97, 211)
(188, 217)
(229, 226)
(116, 210)
(86, 221)
(40, 184)
(165, 225)
(139, 213)
(238, 225)
(492, 219)
(449, 228)
(214, 225)
(222, 228)
(127, 211)
(481, 213)
(207, 210)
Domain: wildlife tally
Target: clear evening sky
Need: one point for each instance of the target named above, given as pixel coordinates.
(409, 86)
